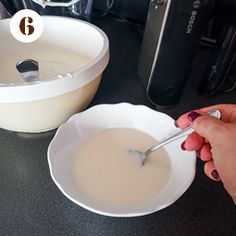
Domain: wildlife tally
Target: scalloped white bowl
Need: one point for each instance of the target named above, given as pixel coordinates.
(80, 126)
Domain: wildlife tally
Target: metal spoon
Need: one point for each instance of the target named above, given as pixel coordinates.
(28, 69)
(144, 155)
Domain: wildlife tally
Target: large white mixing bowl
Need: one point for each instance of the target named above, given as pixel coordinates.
(41, 106)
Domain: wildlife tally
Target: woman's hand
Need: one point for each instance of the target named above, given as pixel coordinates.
(215, 143)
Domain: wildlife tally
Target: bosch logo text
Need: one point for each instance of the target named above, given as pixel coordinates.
(193, 16)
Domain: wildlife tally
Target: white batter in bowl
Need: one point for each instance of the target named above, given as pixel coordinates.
(84, 167)
(74, 49)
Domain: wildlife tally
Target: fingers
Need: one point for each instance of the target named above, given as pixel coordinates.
(209, 132)
(206, 126)
(209, 127)
(228, 112)
(193, 142)
(210, 171)
(186, 119)
(205, 152)
(183, 121)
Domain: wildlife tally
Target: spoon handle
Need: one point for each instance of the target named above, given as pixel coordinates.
(180, 134)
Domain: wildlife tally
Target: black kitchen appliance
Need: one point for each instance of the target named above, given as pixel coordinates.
(172, 33)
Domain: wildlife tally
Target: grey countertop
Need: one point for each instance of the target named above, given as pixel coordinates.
(31, 204)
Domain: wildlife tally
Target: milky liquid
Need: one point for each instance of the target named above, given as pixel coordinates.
(53, 61)
(109, 174)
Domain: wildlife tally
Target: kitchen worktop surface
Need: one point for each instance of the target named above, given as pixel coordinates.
(31, 204)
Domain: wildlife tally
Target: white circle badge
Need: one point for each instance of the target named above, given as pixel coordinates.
(26, 26)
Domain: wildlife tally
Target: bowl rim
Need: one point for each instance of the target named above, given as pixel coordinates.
(174, 198)
(56, 86)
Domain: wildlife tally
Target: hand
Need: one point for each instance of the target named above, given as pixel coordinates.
(215, 143)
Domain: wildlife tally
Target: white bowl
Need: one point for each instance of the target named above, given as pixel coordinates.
(80, 126)
(36, 107)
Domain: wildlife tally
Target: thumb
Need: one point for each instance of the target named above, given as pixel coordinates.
(208, 127)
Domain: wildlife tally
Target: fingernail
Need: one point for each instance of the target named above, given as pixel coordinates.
(192, 116)
(176, 124)
(198, 152)
(215, 175)
(183, 146)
